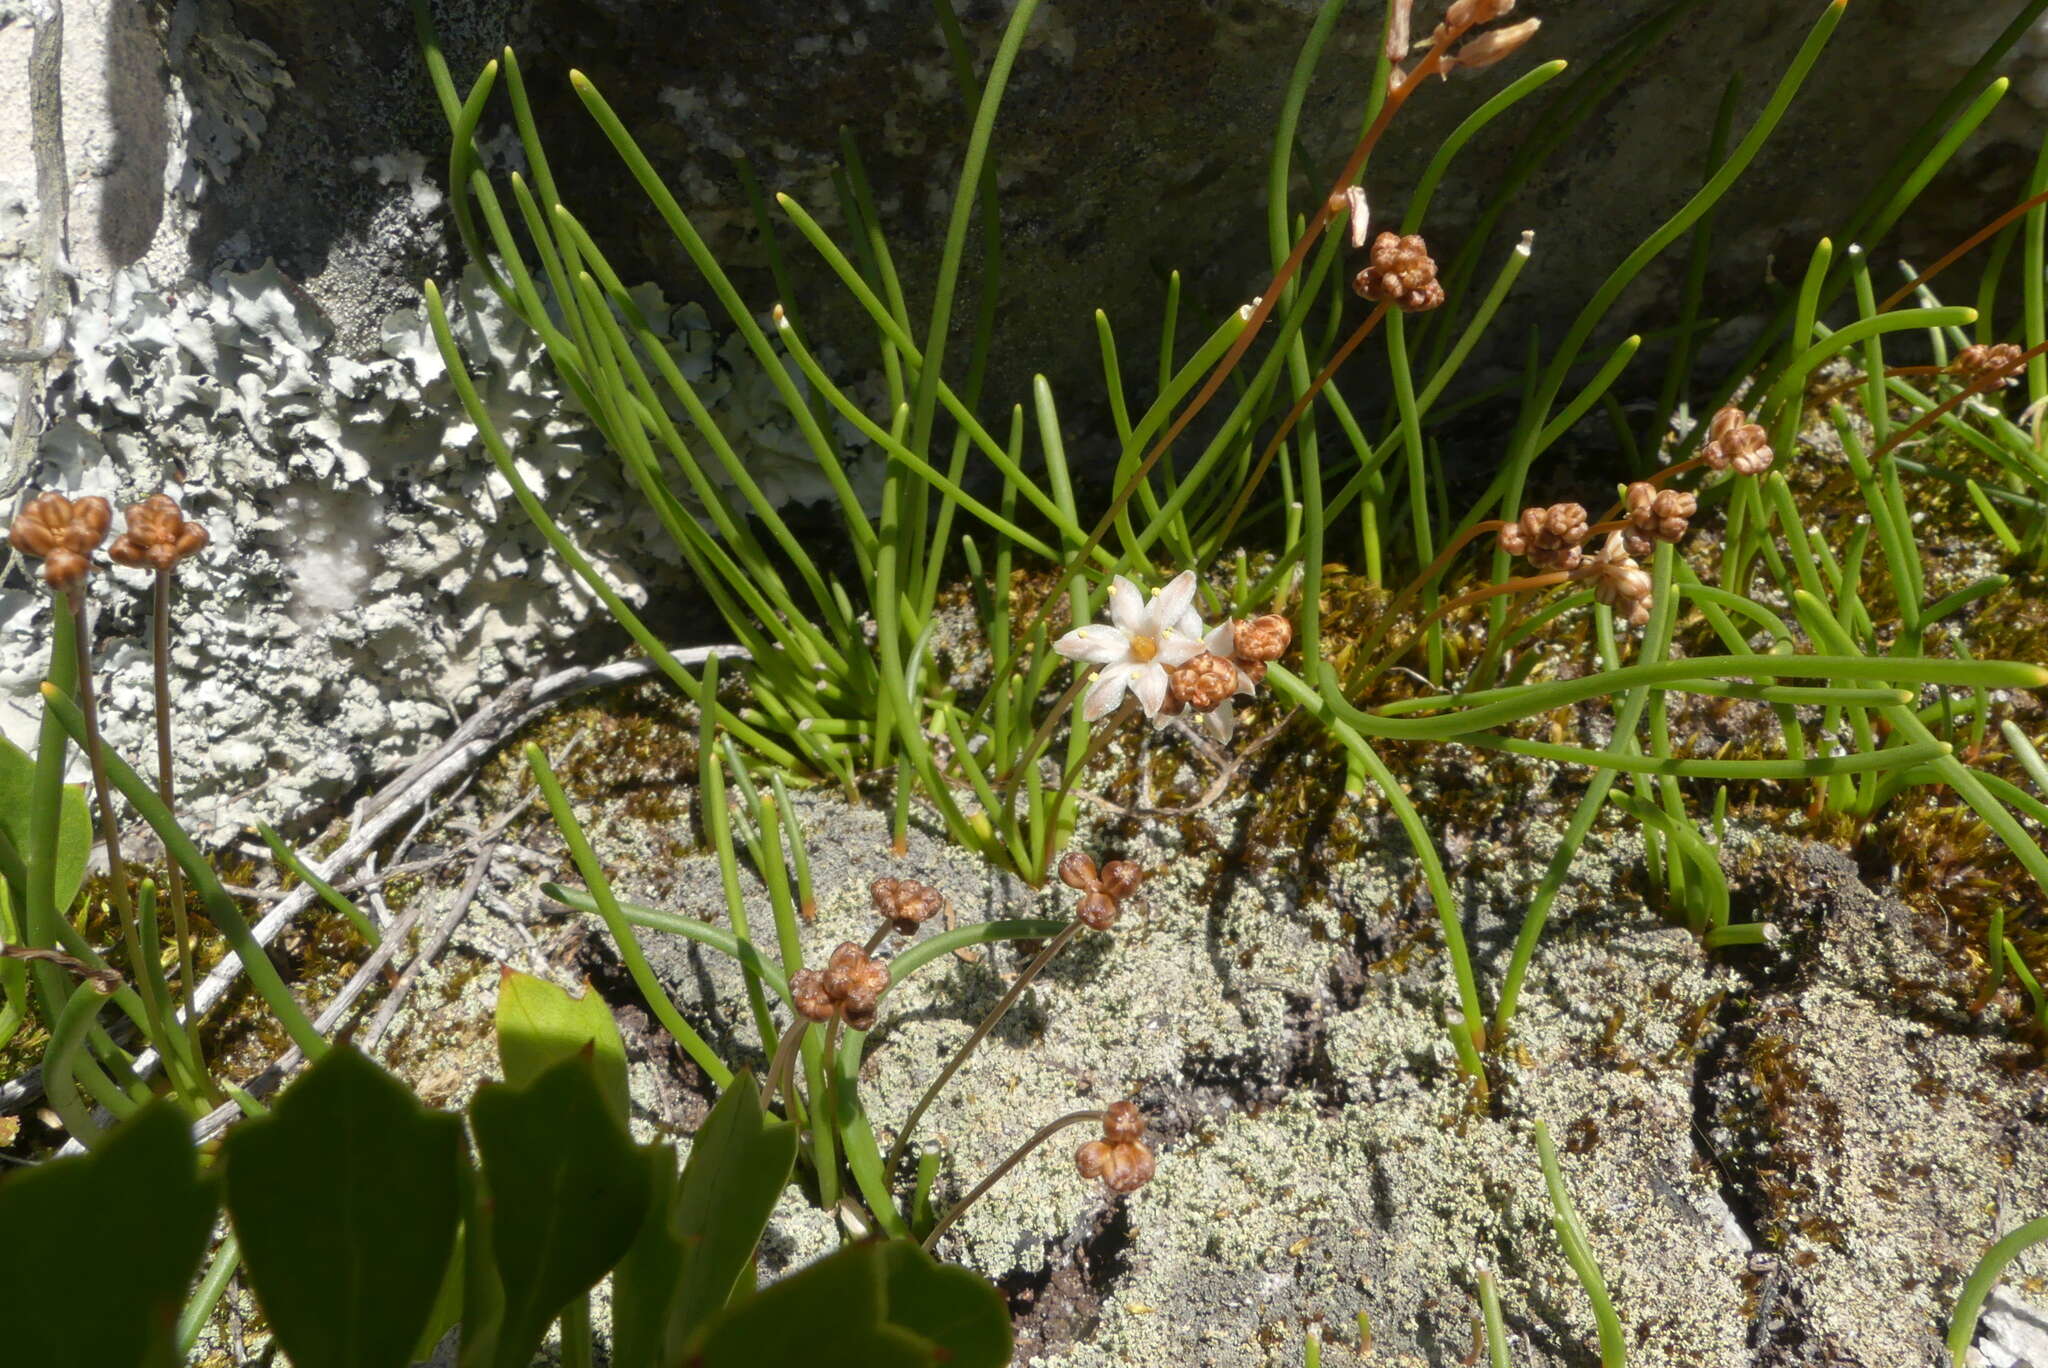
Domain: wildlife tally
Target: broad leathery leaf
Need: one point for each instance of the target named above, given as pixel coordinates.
(958, 1311)
(346, 1199)
(102, 1248)
(831, 1312)
(567, 1193)
(539, 1025)
(74, 826)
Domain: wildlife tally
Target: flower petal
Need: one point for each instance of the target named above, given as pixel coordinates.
(1097, 643)
(1176, 650)
(1148, 683)
(1190, 624)
(1222, 641)
(1107, 691)
(1169, 603)
(1221, 721)
(1245, 683)
(1127, 607)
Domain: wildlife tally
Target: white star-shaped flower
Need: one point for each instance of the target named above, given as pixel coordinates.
(1137, 646)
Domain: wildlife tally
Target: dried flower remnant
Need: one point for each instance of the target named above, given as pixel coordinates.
(62, 533)
(1496, 45)
(1120, 1158)
(1656, 515)
(1983, 359)
(851, 984)
(1400, 272)
(1617, 580)
(1734, 441)
(158, 536)
(1138, 645)
(1359, 215)
(1549, 537)
(1465, 14)
(906, 904)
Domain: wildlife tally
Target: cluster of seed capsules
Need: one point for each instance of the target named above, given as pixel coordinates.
(63, 533)
(1553, 539)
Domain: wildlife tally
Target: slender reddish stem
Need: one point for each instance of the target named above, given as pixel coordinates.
(1397, 95)
(166, 788)
(1523, 585)
(1988, 381)
(1388, 614)
(1956, 253)
(1017, 1156)
(1244, 495)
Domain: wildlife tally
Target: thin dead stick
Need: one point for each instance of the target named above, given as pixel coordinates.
(1956, 253)
(443, 933)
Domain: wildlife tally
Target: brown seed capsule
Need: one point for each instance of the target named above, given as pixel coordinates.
(1120, 1159)
(1263, 638)
(62, 533)
(1400, 273)
(906, 904)
(1983, 359)
(1123, 1123)
(1658, 514)
(1098, 911)
(1617, 580)
(1734, 441)
(1549, 537)
(807, 990)
(158, 535)
(1203, 682)
(851, 984)
(1077, 870)
(1120, 878)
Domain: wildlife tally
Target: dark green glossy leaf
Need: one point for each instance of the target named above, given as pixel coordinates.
(567, 1192)
(958, 1311)
(831, 1312)
(346, 1199)
(539, 1025)
(101, 1249)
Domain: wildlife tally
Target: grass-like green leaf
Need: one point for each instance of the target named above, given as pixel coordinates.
(102, 1248)
(345, 1199)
